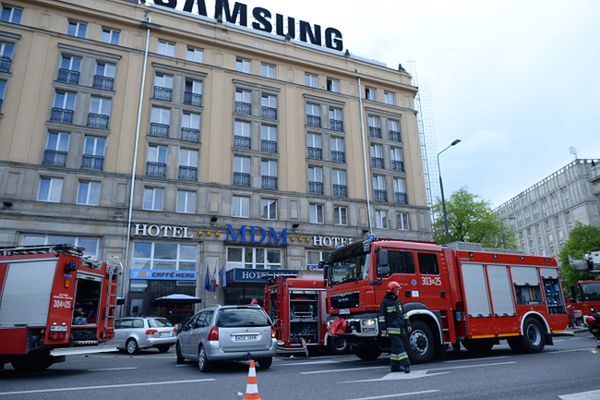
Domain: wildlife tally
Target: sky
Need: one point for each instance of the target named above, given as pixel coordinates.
(518, 81)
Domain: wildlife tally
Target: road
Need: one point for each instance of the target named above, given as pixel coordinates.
(566, 371)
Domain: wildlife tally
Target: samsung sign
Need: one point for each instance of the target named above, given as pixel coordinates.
(261, 20)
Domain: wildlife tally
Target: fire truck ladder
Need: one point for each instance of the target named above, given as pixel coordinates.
(113, 270)
(41, 249)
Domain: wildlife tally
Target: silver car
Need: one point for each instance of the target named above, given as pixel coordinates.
(221, 333)
(135, 333)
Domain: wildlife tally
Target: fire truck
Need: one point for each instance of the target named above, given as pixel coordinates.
(455, 294)
(54, 302)
(586, 293)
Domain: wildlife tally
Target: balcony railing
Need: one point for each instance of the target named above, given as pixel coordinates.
(269, 182)
(336, 125)
(241, 179)
(375, 132)
(268, 146)
(92, 162)
(156, 169)
(315, 187)
(315, 153)
(68, 76)
(340, 190)
(191, 135)
(395, 136)
(401, 198)
(338, 156)
(241, 142)
(313, 120)
(62, 115)
(380, 195)
(162, 93)
(398, 165)
(103, 82)
(243, 107)
(97, 121)
(159, 130)
(5, 63)
(376, 162)
(191, 98)
(55, 158)
(188, 173)
(268, 112)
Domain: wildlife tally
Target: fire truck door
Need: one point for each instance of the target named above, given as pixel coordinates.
(476, 298)
(431, 286)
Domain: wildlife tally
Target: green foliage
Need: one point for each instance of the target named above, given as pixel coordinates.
(471, 219)
(583, 239)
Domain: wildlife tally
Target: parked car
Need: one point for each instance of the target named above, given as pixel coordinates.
(135, 333)
(227, 333)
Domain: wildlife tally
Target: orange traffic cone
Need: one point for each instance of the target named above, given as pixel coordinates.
(251, 386)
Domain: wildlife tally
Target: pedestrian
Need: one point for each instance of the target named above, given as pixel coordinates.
(393, 322)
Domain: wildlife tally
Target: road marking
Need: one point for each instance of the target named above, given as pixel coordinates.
(477, 359)
(473, 366)
(387, 396)
(313, 362)
(341, 370)
(593, 395)
(110, 369)
(590, 349)
(71, 389)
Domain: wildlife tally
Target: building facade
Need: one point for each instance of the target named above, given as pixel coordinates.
(544, 215)
(202, 150)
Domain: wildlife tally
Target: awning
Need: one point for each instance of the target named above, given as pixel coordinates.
(177, 299)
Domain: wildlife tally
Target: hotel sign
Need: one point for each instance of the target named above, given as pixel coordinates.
(262, 20)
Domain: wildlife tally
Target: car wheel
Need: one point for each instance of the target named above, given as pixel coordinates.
(180, 358)
(163, 348)
(131, 346)
(265, 363)
(203, 363)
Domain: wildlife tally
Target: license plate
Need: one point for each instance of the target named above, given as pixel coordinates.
(345, 311)
(165, 334)
(244, 338)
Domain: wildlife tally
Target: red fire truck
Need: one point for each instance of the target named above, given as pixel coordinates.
(586, 293)
(54, 302)
(453, 294)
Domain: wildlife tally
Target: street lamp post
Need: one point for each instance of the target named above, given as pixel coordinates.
(446, 232)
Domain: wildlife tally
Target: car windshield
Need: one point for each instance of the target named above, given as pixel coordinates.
(349, 269)
(238, 317)
(590, 290)
(159, 323)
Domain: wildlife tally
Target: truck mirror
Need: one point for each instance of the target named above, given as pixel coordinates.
(573, 292)
(383, 263)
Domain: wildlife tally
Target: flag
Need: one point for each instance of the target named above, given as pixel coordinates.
(223, 276)
(207, 284)
(213, 280)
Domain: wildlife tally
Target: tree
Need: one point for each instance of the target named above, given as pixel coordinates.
(471, 219)
(583, 239)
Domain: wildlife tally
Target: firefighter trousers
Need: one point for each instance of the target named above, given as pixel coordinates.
(398, 357)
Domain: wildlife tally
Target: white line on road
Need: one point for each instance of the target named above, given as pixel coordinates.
(341, 370)
(477, 359)
(110, 369)
(590, 349)
(71, 389)
(313, 362)
(472, 366)
(387, 396)
(593, 395)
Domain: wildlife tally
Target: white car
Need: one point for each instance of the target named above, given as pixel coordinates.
(135, 333)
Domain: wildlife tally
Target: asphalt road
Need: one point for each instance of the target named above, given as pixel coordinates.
(566, 371)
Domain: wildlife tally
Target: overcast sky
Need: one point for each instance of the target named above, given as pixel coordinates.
(516, 80)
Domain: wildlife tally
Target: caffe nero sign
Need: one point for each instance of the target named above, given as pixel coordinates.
(261, 19)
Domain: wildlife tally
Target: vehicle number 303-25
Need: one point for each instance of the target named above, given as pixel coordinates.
(431, 281)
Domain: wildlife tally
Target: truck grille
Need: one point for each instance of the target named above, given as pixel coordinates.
(345, 300)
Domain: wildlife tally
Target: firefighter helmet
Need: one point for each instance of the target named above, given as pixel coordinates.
(393, 286)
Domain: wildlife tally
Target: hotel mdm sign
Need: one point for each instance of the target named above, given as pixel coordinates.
(263, 20)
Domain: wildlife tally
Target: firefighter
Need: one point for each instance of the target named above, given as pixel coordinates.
(394, 323)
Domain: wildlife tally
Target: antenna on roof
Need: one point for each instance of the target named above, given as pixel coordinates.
(573, 151)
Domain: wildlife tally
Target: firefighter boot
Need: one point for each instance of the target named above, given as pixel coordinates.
(407, 369)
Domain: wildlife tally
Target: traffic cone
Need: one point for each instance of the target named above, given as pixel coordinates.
(251, 386)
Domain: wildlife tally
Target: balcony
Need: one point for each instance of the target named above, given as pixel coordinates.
(315, 187)
(242, 142)
(61, 115)
(313, 120)
(375, 132)
(269, 182)
(241, 179)
(401, 198)
(5, 63)
(103, 82)
(92, 162)
(336, 125)
(398, 165)
(156, 169)
(68, 76)
(193, 99)
(376, 162)
(191, 135)
(268, 113)
(243, 107)
(268, 146)
(340, 190)
(395, 136)
(338, 157)
(159, 130)
(380, 195)
(315, 153)
(55, 158)
(97, 121)
(162, 93)
(187, 173)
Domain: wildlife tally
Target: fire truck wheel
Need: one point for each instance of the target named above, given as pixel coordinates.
(265, 363)
(421, 346)
(367, 352)
(131, 346)
(533, 336)
(180, 358)
(337, 345)
(32, 364)
(203, 363)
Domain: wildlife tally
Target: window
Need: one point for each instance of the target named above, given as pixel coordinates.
(89, 245)
(340, 215)
(389, 98)
(402, 221)
(105, 75)
(11, 14)
(110, 36)
(377, 156)
(166, 48)
(401, 262)
(88, 193)
(268, 174)
(315, 213)
(268, 138)
(50, 189)
(163, 87)
(397, 159)
(57, 149)
(160, 120)
(164, 255)
(241, 171)
(428, 264)
(374, 123)
(153, 198)
(314, 257)
(315, 180)
(93, 153)
(240, 207)
(243, 101)
(379, 188)
(70, 67)
(63, 107)
(190, 126)
(77, 28)
(156, 164)
(370, 93)
(339, 185)
(188, 165)
(381, 219)
(6, 55)
(268, 106)
(333, 85)
(313, 114)
(394, 130)
(243, 65)
(336, 119)
(2, 92)
(99, 114)
(268, 209)
(268, 70)
(400, 195)
(254, 257)
(186, 202)
(311, 80)
(338, 154)
(242, 135)
(314, 146)
(194, 54)
(193, 92)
